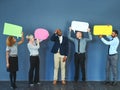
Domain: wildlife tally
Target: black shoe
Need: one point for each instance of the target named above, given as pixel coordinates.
(76, 81)
(14, 85)
(84, 80)
(114, 83)
(38, 83)
(107, 83)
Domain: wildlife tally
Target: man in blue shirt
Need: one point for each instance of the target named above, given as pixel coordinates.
(112, 56)
(79, 56)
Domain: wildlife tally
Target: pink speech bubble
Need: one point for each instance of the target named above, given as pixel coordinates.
(41, 34)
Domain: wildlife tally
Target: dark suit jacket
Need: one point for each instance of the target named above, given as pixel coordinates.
(63, 46)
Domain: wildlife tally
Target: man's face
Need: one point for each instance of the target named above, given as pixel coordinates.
(59, 32)
(114, 34)
(78, 34)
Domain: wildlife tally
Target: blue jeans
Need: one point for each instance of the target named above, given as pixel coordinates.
(111, 66)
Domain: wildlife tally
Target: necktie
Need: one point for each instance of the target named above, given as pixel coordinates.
(78, 45)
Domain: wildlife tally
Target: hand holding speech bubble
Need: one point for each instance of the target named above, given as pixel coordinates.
(12, 30)
(102, 30)
(41, 34)
(79, 26)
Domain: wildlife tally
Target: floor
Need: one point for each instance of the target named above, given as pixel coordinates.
(47, 85)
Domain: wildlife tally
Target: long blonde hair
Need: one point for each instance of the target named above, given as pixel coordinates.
(10, 41)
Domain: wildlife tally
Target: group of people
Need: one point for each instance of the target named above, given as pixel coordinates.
(60, 51)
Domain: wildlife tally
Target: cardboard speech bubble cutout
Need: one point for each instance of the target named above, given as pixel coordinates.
(79, 26)
(12, 30)
(41, 34)
(102, 30)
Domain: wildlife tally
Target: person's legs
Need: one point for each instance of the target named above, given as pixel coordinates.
(82, 65)
(36, 77)
(114, 63)
(56, 67)
(11, 78)
(108, 64)
(31, 70)
(76, 62)
(63, 70)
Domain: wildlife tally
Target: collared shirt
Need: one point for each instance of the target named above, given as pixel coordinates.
(114, 42)
(13, 49)
(33, 49)
(60, 39)
(83, 42)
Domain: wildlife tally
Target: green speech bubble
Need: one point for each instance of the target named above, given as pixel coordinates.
(12, 30)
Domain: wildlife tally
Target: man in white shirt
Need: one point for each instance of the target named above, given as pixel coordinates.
(112, 57)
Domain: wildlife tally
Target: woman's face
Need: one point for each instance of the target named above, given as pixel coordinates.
(14, 39)
(32, 39)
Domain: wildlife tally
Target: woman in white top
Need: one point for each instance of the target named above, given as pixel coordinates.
(12, 58)
(33, 46)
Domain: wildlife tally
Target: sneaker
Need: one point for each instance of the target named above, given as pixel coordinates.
(114, 83)
(107, 83)
(38, 83)
(31, 85)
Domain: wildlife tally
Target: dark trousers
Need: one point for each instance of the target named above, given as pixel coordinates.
(12, 69)
(34, 69)
(79, 61)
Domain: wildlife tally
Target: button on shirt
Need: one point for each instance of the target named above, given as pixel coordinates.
(83, 42)
(33, 49)
(114, 42)
(12, 50)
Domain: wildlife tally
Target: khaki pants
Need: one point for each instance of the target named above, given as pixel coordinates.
(58, 60)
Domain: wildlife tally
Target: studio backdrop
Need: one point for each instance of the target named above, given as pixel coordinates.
(53, 14)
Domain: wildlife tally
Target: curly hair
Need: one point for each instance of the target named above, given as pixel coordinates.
(10, 41)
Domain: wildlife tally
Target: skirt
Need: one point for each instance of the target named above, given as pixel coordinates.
(13, 64)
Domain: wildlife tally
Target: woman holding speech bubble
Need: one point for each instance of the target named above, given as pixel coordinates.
(33, 46)
(12, 58)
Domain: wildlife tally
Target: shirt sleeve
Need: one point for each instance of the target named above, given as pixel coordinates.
(69, 36)
(89, 37)
(107, 42)
(109, 37)
(7, 48)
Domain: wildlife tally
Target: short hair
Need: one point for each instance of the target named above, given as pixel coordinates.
(116, 32)
(10, 41)
(29, 36)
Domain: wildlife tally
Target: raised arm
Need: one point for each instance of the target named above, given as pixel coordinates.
(89, 35)
(54, 37)
(69, 34)
(22, 39)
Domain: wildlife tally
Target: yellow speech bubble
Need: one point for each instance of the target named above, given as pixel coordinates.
(102, 30)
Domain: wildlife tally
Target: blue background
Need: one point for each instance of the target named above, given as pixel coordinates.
(52, 14)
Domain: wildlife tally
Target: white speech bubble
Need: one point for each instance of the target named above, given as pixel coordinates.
(79, 26)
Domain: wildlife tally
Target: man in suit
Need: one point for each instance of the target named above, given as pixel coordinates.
(60, 50)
